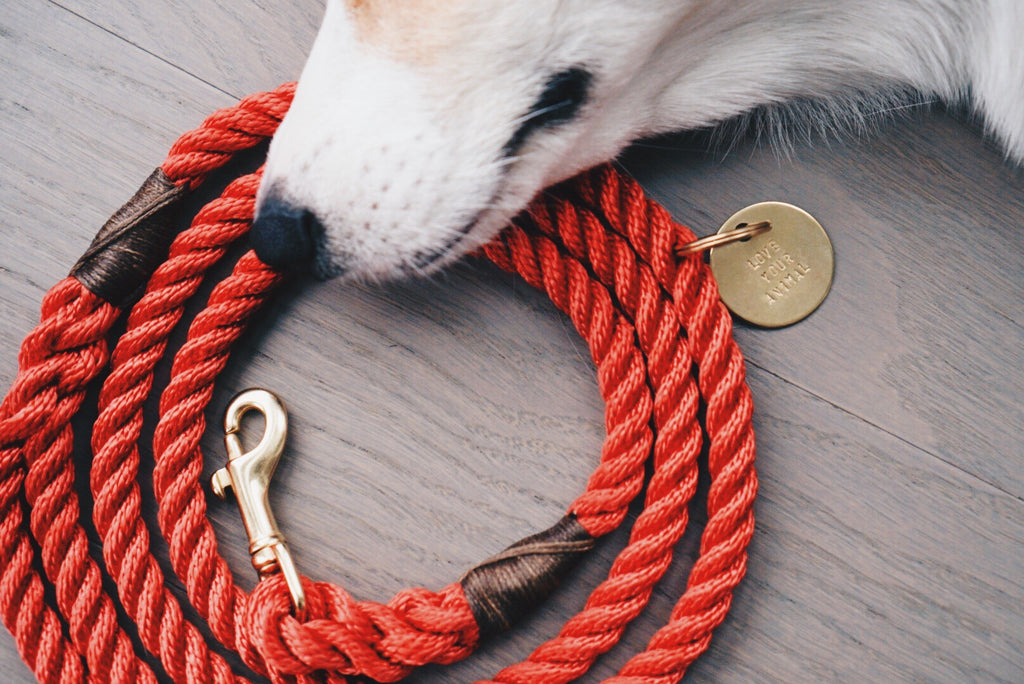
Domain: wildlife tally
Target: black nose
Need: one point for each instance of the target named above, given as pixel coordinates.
(284, 236)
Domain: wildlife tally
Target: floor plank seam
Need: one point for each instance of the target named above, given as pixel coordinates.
(916, 447)
(150, 53)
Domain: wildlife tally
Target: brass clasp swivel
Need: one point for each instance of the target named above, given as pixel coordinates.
(248, 475)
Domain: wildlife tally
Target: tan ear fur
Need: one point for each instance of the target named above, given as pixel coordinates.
(417, 31)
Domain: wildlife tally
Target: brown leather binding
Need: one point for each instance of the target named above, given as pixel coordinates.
(503, 588)
(132, 243)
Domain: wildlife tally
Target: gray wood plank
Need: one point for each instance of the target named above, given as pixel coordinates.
(240, 47)
(86, 107)
(434, 423)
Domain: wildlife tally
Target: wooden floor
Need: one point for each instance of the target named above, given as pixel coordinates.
(434, 423)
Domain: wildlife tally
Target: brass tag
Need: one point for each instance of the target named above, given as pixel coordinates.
(778, 277)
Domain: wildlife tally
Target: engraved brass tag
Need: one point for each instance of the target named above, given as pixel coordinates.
(779, 277)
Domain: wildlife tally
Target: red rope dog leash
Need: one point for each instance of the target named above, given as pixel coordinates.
(604, 253)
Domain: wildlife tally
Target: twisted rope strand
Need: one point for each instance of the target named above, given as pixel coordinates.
(727, 533)
(117, 513)
(58, 360)
(226, 132)
(621, 597)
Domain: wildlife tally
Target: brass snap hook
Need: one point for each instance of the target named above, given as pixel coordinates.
(248, 475)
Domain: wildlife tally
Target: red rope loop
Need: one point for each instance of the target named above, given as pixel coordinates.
(384, 642)
(603, 253)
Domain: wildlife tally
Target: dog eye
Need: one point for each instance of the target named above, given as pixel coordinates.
(563, 95)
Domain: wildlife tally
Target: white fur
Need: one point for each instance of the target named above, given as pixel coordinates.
(395, 139)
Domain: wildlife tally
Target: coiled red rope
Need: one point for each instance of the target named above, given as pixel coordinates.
(604, 254)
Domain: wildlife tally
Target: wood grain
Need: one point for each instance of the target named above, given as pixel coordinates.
(435, 422)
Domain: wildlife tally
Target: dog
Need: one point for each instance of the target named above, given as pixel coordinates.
(420, 127)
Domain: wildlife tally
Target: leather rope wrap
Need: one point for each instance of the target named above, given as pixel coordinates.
(505, 587)
(131, 245)
(659, 338)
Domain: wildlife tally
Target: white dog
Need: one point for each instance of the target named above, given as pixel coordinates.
(420, 127)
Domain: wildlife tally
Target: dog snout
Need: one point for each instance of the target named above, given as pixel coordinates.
(285, 236)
